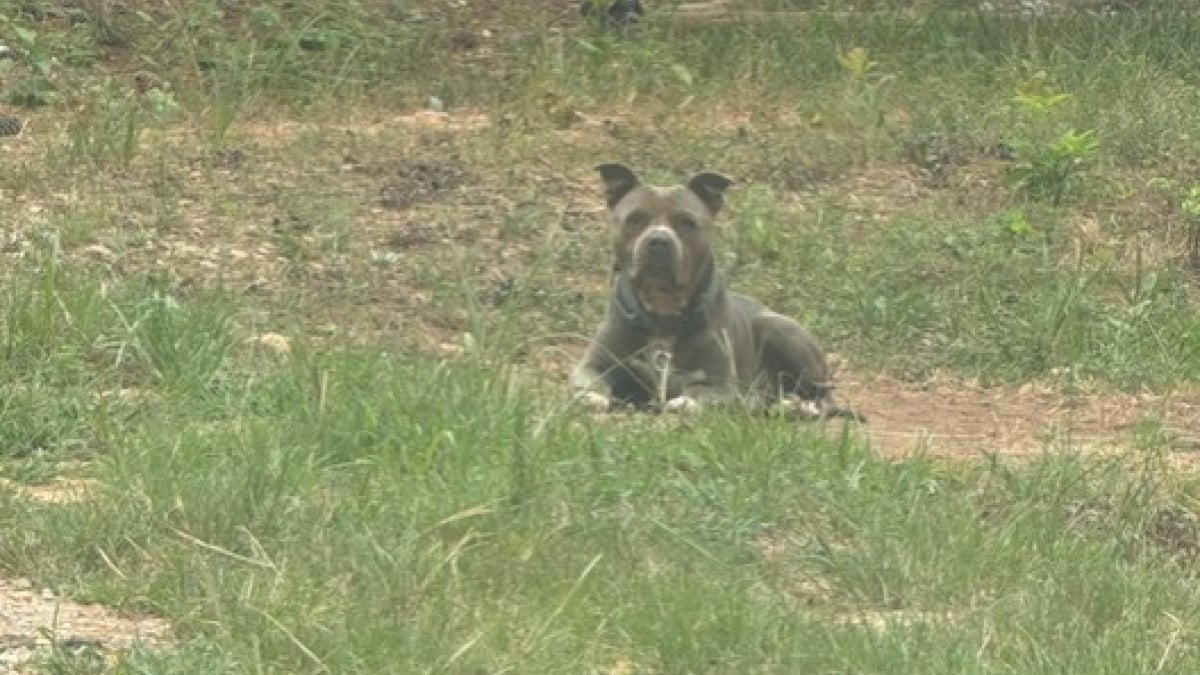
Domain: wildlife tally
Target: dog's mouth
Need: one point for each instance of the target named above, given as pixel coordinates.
(666, 271)
(659, 277)
(660, 296)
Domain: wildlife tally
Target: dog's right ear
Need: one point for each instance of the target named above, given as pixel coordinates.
(619, 180)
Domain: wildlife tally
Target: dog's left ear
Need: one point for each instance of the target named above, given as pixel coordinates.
(710, 188)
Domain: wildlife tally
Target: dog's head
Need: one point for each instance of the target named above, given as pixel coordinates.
(662, 236)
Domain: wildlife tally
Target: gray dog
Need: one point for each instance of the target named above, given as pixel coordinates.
(673, 337)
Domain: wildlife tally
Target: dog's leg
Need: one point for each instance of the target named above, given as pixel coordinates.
(795, 369)
(590, 384)
(607, 375)
(715, 383)
(701, 397)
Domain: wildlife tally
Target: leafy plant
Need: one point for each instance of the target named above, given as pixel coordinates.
(36, 86)
(1052, 170)
(1049, 165)
(856, 62)
(864, 92)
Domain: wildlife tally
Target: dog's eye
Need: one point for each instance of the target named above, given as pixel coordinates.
(684, 223)
(636, 220)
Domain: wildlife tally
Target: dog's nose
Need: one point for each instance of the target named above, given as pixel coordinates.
(658, 243)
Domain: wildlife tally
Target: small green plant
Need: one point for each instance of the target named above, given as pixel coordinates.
(759, 231)
(184, 346)
(856, 62)
(1191, 203)
(1016, 225)
(1052, 170)
(1191, 208)
(1049, 165)
(35, 87)
(110, 132)
(629, 58)
(865, 101)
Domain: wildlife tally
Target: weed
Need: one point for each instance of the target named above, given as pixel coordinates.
(36, 86)
(1052, 171)
(1049, 165)
(109, 132)
(759, 230)
(185, 347)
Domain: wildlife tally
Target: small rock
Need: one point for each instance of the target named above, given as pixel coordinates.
(11, 126)
(273, 342)
(435, 104)
(144, 81)
(450, 349)
(97, 251)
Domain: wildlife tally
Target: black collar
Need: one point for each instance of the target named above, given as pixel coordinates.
(692, 318)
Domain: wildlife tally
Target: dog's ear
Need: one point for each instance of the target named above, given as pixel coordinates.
(710, 188)
(619, 180)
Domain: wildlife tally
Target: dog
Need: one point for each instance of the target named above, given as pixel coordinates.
(673, 337)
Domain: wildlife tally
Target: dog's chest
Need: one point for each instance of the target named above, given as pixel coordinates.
(661, 344)
(658, 354)
(671, 356)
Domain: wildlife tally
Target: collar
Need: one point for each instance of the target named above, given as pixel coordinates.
(689, 320)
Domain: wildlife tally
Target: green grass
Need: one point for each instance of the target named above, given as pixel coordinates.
(406, 490)
(366, 512)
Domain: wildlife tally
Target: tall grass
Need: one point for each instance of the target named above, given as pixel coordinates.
(358, 512)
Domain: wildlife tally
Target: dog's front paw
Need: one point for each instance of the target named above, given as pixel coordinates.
(805, 409)
(683, 404)
(594, 401)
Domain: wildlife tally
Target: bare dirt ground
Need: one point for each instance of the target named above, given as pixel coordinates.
(34, 622)
(955, 419)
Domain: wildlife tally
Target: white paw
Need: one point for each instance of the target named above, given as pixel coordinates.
(806, 409)
(594, 401)
(683, 404)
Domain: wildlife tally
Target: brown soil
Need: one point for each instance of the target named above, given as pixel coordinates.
(60, 490)
(35, 622)
(950, 418)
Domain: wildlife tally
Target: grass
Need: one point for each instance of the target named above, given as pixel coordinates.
(994, 198)
(363, 512)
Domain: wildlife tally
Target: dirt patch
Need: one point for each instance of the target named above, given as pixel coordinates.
(34, 622)
(409, 182)
(880, 191)
(57, 491)
(951, 418)
(280, 133)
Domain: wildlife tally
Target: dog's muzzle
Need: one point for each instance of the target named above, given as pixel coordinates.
(659, 245)
(657, 252)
